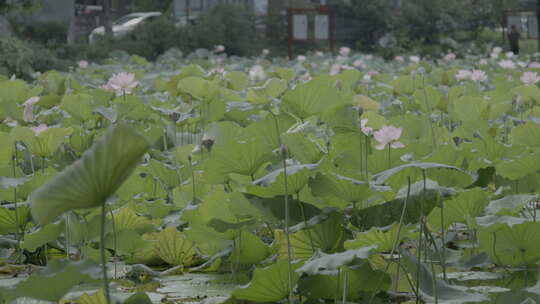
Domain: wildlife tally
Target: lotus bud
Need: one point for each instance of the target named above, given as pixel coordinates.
(283, 151)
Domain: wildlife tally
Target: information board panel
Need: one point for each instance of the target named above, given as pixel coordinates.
(300, 27)
(322, 27)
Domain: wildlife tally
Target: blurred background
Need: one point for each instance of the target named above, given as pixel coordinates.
(39, 35)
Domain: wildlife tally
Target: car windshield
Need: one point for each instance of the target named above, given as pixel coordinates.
(125, 19)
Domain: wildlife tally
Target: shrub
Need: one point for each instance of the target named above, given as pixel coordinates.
(16, 58)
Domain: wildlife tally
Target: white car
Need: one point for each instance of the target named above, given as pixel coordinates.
(124, 25)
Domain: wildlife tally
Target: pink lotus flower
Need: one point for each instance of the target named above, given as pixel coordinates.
(365, 129)
(534, 65)
(483, 61)
(344, 51)
(530, 78)
(478, 75)
(219, 48)
(450, 57)
(388, 135)
(121, 83)
(301, 58)
(463, 74)
(218, 70)
(510, 54)
(305, 77)
(399, 59)
(256, 73)
(359, 63)
(335, 69)
(39, 129)
(28, 113)
(319, 54)
(83, 64)
(507, 64)
(496, 50)
(414, 59)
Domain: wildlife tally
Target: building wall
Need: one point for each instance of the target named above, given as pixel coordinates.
(56, 10)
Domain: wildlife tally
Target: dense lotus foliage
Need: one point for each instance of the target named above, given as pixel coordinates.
(314, 180)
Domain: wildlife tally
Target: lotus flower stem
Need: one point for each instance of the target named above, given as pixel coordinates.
(114, 241)
(305, 222)
(17, 229)
(289, 249)
(443, 255)
(345, 278)
(338, 281)
(429, 112)
(102, 253)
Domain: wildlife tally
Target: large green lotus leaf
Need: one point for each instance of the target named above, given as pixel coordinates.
(312, 98)
(243, 157)
(37, 180)
(53, 282)
(222, 211)
(237, 80)
(519, 167)
(273, 184)
(266, 131)
(301, 148)
(404, 85)
(349, 79)
(127, 242)
(419, 203)
(9, 219)
(323, 233)
(428, 98)
(89, 181)
(6, 149)
(469, 109)
(431, 288)
(527, 91)
(131, 107)
(42, 236)
(53, 82)
(175, 248)
(444, 174)
(285, 73)
(462, 208)
(273, 88)
(46, 143)
(416, 126)
(94, 298)
(342, 118)
(345, 188)
(166, 174)
(224, 132)
(511, 203)
(270, 284)
(329, 264)
(384, 238)
(249, 249)
(199, 88)
(273, 209)
(126, 218)
(79, 106)
(518, 245)
(360, 278)
(209, 241)
(527, 135)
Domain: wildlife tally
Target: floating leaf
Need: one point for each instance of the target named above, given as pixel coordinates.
(174, 248)
(270, 284)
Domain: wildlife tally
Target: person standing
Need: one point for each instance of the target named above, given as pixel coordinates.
(514, 37)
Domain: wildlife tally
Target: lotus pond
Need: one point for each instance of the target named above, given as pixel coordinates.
(323, 179)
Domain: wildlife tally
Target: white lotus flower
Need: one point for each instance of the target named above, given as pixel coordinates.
(530, 78)
(388, 135)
